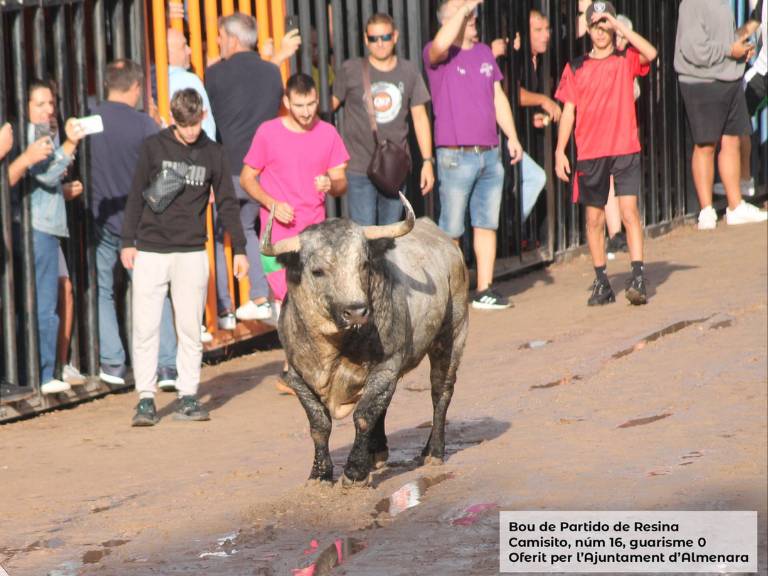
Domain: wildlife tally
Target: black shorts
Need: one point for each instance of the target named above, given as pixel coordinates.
(755, 93)
(593, 178)
(715, 109)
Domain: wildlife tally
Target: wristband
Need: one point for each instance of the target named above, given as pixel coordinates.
(429, 159)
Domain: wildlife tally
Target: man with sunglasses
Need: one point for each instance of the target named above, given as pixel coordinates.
(397, 88)
(468, 102)
(597, 92)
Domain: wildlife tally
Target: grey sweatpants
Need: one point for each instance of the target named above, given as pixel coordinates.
(187, 275)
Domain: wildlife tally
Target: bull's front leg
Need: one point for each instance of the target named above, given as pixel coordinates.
(377, 394)
(319, 426)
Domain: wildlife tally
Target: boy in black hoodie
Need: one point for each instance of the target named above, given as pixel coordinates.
(168, 249)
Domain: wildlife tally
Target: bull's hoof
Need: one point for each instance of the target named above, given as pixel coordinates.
(433, 461)
(318, 483)
(347, 482)
(380, 459)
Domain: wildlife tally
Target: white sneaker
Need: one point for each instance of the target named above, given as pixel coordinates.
(748, 187)
(718, 189)
(72, 376)
(227, 322)
(252, 311)
(708, 219)
(205, 336)
(745, 214)
(54, 387)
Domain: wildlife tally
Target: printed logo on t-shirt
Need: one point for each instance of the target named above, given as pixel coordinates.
(194, 175)
(486, 70)
(461, 70)
(387, 101)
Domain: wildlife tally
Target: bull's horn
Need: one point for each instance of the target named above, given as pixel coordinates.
(292, 244)
(393, 230)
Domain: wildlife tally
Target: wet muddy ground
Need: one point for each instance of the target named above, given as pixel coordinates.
(558, 407)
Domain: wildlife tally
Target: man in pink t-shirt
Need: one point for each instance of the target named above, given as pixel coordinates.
(293, 162)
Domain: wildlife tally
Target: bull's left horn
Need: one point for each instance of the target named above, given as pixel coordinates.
(292, 244)
(393, 230)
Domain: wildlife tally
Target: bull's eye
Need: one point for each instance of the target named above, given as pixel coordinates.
(318, 272)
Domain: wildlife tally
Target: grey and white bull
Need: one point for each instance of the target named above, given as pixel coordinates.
(364, 306)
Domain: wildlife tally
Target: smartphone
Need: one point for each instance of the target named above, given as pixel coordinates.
(291, 22)
(42, 130)
(91, 124)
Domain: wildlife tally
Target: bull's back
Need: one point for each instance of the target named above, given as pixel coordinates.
(429, 269)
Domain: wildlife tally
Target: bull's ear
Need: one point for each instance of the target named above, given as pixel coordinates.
(377, 248)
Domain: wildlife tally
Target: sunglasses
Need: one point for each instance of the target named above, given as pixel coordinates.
(383, 37)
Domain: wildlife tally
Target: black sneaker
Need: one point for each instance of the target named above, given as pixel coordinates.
(188, 408)
(636, 291)
(602, 293)
(489, 299)
(146, 414)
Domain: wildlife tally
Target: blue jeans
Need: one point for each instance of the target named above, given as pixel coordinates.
(111, 349)
(469, 178)
(367, 206)
(249, 212)
(534, 179)
(46, 250)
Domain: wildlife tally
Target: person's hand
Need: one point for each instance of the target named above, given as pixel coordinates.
(283, 212)
(154, 113)
(499, 47)
(175, 10)
(39, 150)
(470, 5)
(427, 178)
(610, 22)
(552, 109)
(240, 266)
(6, 139)
(268, 49)
(741, 49)
(74, 131)
(562, 166)
(541, 120)
(517, 44)
(290, 43)
(515, 151)
(323, 183)
(72, 189)
(128, 257)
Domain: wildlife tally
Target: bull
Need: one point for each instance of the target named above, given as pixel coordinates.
(364, 306)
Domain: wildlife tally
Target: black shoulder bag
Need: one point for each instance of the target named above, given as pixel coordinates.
(391, 163)
(167, 184)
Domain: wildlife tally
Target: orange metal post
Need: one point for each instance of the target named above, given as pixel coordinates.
(176, 12)
(262, 21)
(227, 7)
(277, 11)
(244, 6)
(161, 58)
(211, 30)
(196, 37)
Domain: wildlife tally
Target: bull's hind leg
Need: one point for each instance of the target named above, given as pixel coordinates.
(444, 358)
(319, 427)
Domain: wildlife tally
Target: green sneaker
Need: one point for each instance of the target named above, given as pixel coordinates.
(188, 408)
(146, 414)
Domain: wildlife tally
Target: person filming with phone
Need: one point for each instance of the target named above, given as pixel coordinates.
(45, 162)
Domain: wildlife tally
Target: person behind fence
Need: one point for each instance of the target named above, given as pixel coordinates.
(468, 102)
(709, 59)
(397, 88)
(114, 154)
(46, 161)
(6, 139)
(293, 163)
(245, 91)
(597, 92)
(164, 245)
(179, 76)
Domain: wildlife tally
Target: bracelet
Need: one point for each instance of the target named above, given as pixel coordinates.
(429, 159)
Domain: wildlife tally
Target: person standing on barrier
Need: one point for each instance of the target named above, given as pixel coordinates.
(397, 88)
(165, 248)
(293, 163)
(114, 153)
(597, 92)
(468, 102)
(709, 59)
(46, 162)
(245, 91)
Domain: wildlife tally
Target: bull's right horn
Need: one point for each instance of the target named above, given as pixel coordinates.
(292, 244)
(393, 230)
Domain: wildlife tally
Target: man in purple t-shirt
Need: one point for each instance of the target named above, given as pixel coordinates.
(468, 101)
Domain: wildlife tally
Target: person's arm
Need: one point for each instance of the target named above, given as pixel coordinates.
(424, 138)
(335, 102)
(449, 32)
(562, 165)
(506, 122)
(228, 209)
(288, 47)
(134, 206)
(6, 139)
(249, 181)
(338, 178)
(698, 49)
(647, 50)
(531, 99)
(36, 152)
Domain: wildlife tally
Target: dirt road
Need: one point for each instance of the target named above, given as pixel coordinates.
(558, 406)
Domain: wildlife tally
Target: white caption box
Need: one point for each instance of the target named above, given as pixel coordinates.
(591, 542)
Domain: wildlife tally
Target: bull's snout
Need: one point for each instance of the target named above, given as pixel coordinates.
(355, 314)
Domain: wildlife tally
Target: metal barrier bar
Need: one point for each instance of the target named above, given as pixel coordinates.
(39, 53)
(244, 6)
(99, 46)
(227, 7)
(262, 22)
(196, 37)
(161, 58)
(305, 27)
(117, 19)
(354, 30)
(398, 15)
(211, 30)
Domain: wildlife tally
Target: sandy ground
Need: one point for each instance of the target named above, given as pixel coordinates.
(677, 422)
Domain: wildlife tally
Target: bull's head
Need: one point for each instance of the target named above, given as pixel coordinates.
(329, 266)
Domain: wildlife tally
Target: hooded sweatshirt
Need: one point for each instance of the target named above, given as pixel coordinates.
(181, 226)
(706, 30)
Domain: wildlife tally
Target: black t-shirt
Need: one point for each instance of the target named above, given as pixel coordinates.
(244, 91)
